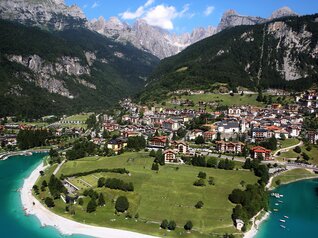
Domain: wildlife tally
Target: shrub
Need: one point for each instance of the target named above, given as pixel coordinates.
(164, 224)
(172, 225)
(188, 226)
(199, 183)
(49, 202)
(297, 149)
(81, 201)
(202, 175)
(122, 204)
(199, 205)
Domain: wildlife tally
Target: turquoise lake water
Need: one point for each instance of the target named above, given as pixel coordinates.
(13, 222)
(300, 205)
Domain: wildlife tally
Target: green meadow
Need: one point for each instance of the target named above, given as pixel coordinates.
(167, 194)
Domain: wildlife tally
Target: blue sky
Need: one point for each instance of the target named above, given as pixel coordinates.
(184, 15)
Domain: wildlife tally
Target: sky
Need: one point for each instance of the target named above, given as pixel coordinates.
(181, 16)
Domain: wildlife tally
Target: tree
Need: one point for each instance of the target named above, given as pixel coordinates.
(188, 226)
(122, 204)
(212, 163)
(199, 205)
(305, 156)
(91, 121)
(81, 201)
(199, 183)
(91, 206)
(106, 134)
(136, 142)
(44, 183)
(53, 153)
(155, 167)
(49, 202)
(247, 164)
(297, 149)
(164, 224)
(36, 189)
(101, 200)
(172, 225)
(282, 136)
(152, 153)
(211, 181)
(101, 182)
(199, 140)
(202, 175)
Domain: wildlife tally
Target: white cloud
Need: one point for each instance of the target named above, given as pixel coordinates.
(209, 10)
(149, 3)
(95, 4)
(85, 6)
(161, 16)
(128, 15)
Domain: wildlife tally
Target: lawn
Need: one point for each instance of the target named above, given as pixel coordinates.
(292, 175)
(168, 194)
(79, 117)
(313, 154)
(288, 142)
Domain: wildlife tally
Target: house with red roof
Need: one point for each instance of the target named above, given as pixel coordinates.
(261, 152)
(158, 142)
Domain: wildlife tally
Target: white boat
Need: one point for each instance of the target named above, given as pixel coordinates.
(281, 220)
(283, 226)
(286, 217)
(275, 210)
(276, 204)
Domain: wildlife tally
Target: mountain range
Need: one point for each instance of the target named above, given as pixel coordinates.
(55, 15)
(280, 53)
(53, 60)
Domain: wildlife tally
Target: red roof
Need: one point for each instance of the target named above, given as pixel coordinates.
(260, 149)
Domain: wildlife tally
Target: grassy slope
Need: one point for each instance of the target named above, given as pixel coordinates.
(168, 194)
(292, 175)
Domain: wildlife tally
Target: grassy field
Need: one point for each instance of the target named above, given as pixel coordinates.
(168, 194)
(313, 154)
(287, 143)
(292, 175)
(79, 117)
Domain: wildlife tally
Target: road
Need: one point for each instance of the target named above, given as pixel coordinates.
(288, 148)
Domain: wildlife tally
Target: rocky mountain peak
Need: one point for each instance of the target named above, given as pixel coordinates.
(231, 19)
(230, 12)
(283, 12)
(46, 13)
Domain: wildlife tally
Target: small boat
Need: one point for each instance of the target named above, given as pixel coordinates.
(281, 195)
(286, 217)
(275, 210)
(281, 220)
(284, 227)
(276, 204)
(280, 201)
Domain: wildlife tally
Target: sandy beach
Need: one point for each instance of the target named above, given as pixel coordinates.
(66, 227)
(254, 229)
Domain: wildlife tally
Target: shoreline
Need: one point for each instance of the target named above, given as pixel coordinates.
(256, 223)
(65, 226)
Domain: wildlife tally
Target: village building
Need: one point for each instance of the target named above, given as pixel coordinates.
(171, 156)
(158, 142)
(239, 224)
(312, 137)
(170, 125)
(261, 152)
(116, 145)
(209, 135)
(181, 146)
(229, 147)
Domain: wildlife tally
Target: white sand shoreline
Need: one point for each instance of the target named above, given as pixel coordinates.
(65, 226)
(256, 224)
